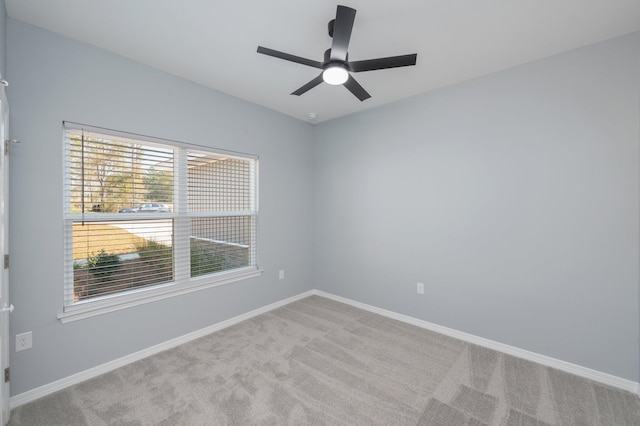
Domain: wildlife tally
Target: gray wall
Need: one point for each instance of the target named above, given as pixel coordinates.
(55, 79)
(513, 197)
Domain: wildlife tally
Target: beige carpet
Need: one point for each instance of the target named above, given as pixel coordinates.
(320, 362)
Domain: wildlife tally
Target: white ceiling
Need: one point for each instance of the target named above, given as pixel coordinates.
(214, 43)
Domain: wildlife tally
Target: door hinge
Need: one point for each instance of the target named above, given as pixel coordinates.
(6, 374)
(6, 261)
(8, 142)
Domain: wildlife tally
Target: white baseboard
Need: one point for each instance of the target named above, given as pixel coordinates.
(32, 395)
(578, 370)
(598, 376)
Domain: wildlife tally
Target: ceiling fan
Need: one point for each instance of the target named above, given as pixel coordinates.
(336, 67)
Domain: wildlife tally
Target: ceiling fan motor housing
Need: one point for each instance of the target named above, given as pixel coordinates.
(328, 61)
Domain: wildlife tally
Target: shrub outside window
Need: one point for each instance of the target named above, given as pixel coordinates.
(147, 218)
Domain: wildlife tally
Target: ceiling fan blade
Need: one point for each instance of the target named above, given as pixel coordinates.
(355, 88)
(289, 57)
(310, 85)
(382, 63)
(342, 33)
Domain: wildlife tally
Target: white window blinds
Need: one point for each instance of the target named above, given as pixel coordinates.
(142, 213)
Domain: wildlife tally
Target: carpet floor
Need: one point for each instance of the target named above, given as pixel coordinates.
(320, 362)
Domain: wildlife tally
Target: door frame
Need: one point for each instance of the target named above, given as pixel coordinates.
(5, 307)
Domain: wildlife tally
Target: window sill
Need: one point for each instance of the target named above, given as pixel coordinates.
(117, 302)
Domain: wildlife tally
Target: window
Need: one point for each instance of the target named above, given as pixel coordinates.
(147, 218)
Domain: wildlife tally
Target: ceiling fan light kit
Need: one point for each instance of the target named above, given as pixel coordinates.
(336, 67)
(335, 75)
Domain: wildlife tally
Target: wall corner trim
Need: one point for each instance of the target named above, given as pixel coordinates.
(547, 361)
(49, 388)
(598, 376)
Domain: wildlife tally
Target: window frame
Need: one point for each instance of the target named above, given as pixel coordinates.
(180, 215)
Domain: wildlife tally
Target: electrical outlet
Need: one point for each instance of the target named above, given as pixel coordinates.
(420, 288)
(24, 341)
(281, 274)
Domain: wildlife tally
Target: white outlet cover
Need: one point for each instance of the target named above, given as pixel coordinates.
(24, 341)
